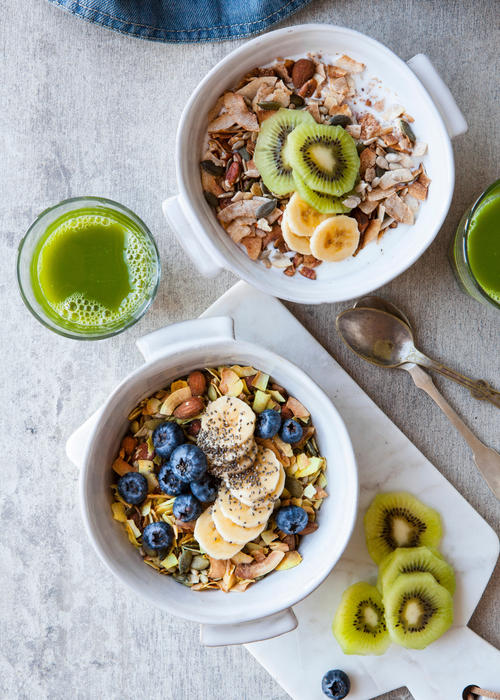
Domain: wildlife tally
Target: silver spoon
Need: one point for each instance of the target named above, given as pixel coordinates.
(486, 459)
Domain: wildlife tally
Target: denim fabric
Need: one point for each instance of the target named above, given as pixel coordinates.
(183, 20)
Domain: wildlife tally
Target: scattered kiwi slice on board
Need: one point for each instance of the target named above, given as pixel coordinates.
(359, 624)
(417, 610)
(271, 155)
(325, 203)
(399, 520)
(325, 157)
(417, 560)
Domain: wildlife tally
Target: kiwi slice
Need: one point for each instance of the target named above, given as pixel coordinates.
(419, 559)
(325, 203)
(417, 610)
(325, 157)
(271, 151)
(359, 623)
(399, 520)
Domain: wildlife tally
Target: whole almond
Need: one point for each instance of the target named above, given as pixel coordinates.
(302, 71)
(189, 408)
(308, 89)
(197, 383)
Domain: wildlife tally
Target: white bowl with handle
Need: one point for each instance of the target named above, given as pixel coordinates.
(418, 87)
(264, 610)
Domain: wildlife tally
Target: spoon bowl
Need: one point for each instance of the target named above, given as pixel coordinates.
(371, 302)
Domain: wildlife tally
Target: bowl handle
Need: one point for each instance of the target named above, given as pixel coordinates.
(444, 100)
(199, 255)
(247, 632)
(152, 346)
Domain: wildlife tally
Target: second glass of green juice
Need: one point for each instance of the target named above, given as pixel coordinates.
(88, 268)
(475, 253)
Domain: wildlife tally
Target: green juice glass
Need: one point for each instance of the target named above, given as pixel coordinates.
(475, 251)
(88, 268)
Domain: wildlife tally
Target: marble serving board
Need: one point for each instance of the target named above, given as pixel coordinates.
(387, 461)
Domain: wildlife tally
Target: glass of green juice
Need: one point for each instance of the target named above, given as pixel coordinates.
(88, 268)
(475, 252)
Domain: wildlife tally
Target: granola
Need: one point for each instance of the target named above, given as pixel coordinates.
(389, 185)
(192, 403)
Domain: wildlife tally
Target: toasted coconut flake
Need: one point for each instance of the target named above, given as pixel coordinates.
(238, 230)
(417, 190)
(354, 130)
(122, 467)
(241, 586)
(217, 568)
(246, 208)
(297, 408)
(419, 149)
(242, 558)
(222, 123)
(235, 105)
(349, 65)
(290, 560)
(378, 193)
(175, 399)
(251, 89)
(423, 179)
(252, 571)
(369, 126)
(231, 384)
(313, 109)
(400, 211)
(210, 184)
(253, 246)
(215, 111)
(411, 201)
(342, 109)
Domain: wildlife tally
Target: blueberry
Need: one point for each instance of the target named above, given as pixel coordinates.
(187, 508)
(133, 487)
(291, 519)
(170, 484)
(290, 431)
(336, 685)
(166, 437)
(267, 424)
(207, 488)
(188, 463)
(157, 537)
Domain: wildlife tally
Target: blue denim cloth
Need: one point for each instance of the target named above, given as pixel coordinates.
(183, 20)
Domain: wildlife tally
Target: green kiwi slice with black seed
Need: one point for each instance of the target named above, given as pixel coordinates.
(359, 624)
(272, 153)
(399, 520)
(325, 157)
(325, 203)
(417, 610)
(408, 561)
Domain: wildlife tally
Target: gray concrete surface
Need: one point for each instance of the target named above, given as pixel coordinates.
(86, 111)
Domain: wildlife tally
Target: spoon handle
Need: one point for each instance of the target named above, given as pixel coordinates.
(486, 459)
(479, 389)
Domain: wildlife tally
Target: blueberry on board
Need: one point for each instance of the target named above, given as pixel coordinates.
(188, 463)
(170, 484)
(336, 685)
(290, 431)
(206, 489)
(166, 437)
(267, 424)
(132, 487)
(157, 537)
(187, 507)
(291, 519)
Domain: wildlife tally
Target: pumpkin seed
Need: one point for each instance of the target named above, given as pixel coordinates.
(265, 209)
(263, 187)
(407, 130)
(340, 120)
(379, 172)
(212, 168)
(294, 486)
(211, 199)
(296, 100)
(269, 105)
(185, 561)
(244, 154)
(199, 563)
(360, 147)
(310, 450)
(181, 579)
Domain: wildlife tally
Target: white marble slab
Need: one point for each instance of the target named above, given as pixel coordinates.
(387, 461)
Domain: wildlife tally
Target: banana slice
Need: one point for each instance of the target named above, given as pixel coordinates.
(222, 457)
(211, 540)
(303, 219)
(242, 514)
(335, 239)
(227, 422)
(298, 243)
(257, 482)
(233, 533)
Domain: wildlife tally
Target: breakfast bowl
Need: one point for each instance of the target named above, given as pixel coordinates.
(417, 87)
(263, 610)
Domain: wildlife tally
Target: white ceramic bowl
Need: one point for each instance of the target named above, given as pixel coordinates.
(437, 118)
(263, 611)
